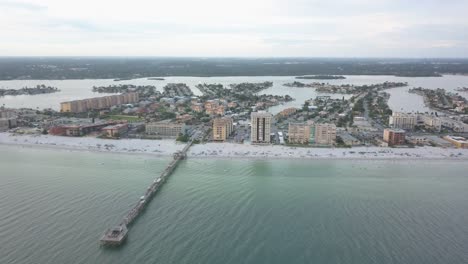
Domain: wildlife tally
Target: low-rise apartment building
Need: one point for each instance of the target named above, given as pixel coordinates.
(458, 142)
(299, 133)
(165, 128)
(394, 137)
(115, 131)
(325, 134)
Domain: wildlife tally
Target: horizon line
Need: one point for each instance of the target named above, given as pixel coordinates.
(224, 57)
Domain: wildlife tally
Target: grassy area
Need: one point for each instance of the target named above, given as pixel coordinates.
(125, 117)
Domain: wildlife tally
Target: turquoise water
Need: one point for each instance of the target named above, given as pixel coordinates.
(55, 204)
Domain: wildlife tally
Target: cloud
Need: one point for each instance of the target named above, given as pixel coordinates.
(335, 28)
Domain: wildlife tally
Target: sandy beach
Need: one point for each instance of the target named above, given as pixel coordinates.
(153, 147)
(228, 150)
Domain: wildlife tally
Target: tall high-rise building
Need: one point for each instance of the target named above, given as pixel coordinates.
(325, 134)
(222, 128)
(261, 127)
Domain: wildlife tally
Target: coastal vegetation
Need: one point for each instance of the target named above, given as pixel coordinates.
(298, 84)
(129, 68)
(39, 89)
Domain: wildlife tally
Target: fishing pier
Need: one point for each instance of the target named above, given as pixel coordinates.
(116, 235)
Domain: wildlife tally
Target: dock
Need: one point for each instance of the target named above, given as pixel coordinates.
(116, 236)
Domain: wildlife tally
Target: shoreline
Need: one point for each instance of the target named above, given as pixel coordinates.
(228, 151)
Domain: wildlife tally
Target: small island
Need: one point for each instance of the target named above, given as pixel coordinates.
(155, 79)
(298, 84)
(122, 79)
(321, 77)
(39, 89)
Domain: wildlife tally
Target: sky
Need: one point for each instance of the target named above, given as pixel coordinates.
(235, 28)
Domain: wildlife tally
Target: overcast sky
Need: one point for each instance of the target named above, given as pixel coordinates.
(218, 28)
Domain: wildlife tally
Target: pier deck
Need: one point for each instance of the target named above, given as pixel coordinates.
(117, 235)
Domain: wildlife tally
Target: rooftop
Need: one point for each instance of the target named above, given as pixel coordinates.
(457, 139)
(117, 126)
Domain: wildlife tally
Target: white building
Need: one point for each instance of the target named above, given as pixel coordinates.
(455, 125)
(403, 120)
(431, 122)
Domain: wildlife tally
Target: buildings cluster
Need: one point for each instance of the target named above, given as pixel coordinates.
(111, 129)
(298, 132)
(212, 107)
(98, 103)
(287, 112)
(409, 121)
(215, 107)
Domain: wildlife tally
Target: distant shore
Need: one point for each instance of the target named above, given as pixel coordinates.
(165, 148)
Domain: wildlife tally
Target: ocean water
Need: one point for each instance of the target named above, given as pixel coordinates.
(55, 204)
(400, 99)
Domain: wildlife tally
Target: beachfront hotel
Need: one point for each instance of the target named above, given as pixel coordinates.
(394, 137)
(165, 128)
(261, 127)
(325, 134)
(403, 120)
(299, 133)
(98, 103)
(222, 128)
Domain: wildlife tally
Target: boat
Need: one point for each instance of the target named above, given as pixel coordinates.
(114, 236)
